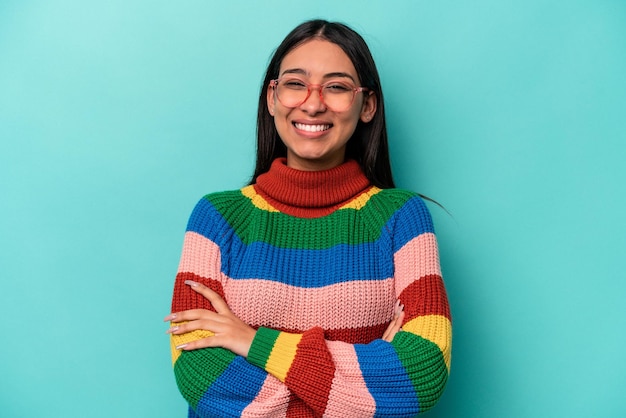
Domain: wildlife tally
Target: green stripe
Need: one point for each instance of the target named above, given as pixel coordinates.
(196, 370)
(346, 226)
(425, 365)
(262, 346)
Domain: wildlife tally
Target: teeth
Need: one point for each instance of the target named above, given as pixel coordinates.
(311, 128)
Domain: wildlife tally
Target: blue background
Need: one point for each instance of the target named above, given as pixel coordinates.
(115, 117)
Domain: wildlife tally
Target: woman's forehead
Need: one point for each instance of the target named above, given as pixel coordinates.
(317, 58)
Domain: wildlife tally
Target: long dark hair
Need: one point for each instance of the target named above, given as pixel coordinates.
(368, 145)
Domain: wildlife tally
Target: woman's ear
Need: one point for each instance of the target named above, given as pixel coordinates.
(270, 100)
(368, 110)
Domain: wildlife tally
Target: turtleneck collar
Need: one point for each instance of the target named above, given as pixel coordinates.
(310, 194)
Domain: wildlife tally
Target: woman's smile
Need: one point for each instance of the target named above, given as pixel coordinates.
(312, 127)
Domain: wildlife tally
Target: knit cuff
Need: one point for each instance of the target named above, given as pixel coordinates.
(261, 347)
(274, 351)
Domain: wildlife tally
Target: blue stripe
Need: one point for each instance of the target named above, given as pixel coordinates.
(410, 221)
(306, 268)
(229, 395)
(387, 380)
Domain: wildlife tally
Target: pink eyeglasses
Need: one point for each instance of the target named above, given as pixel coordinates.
(337, 95)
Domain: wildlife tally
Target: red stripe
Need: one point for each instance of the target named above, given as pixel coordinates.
(426, 296)
(312, 371)
(360, 335)
(185, 298)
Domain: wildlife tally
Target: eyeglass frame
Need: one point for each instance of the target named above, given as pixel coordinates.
(319, 87)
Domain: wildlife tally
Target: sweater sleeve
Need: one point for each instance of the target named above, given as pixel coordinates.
(401, 378)
(214, 381)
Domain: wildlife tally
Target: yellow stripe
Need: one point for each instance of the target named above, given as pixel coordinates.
(282, 354)
(257, 199)
(362, 200)
(176, 340)
(435, 328)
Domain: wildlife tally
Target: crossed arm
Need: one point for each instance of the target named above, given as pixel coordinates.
(230, 332)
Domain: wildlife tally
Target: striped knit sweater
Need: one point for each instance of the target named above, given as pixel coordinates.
(315, 262)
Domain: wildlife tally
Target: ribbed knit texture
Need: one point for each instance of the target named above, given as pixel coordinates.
(315, 262)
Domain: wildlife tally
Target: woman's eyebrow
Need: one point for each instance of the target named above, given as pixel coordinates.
(329, 75)
(295, 71)
(340, 74)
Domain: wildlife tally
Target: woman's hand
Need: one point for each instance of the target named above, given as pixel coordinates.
(230, 332)
(396, 322)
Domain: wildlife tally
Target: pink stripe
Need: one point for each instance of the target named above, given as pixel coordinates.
(271, 401)
(345, 305)
(418, 258)
(271, 304)
(200, 256)
(349, 396)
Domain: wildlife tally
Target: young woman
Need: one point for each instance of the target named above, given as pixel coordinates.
(315, 290)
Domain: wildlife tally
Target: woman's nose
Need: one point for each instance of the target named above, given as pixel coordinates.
(315, 102)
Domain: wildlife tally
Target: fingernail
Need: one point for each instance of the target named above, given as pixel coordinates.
(180, 347)
(173, 329)
(192, 283)
(170, 317)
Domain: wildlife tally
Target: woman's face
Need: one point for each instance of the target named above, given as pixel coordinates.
(316, 136)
